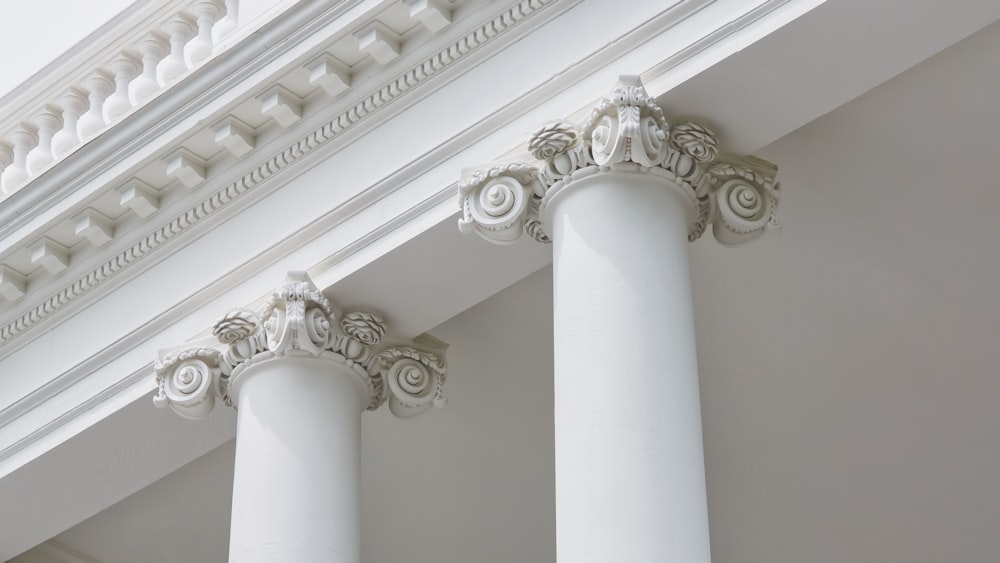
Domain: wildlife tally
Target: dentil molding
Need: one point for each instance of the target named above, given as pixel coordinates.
(298, 320)
(145, 200)
(626, 132)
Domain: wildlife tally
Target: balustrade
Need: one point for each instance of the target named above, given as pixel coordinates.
(103, 96)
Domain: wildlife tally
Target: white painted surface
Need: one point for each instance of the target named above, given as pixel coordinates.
(847, 366)
(297, 478)
(50, 28)
(630, 480)
(471, 482)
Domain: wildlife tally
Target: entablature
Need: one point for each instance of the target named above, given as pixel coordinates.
(358, 176)
(227, 127)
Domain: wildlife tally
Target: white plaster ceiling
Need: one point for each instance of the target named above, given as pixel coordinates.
(850, 390)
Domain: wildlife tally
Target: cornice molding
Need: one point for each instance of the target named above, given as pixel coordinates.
(299, 321)
(333, 128)
(434, 157)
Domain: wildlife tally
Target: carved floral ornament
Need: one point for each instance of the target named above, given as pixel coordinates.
(298, 320)
(626, 131)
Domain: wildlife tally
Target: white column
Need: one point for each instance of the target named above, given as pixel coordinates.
(297, 482)
(619, 197)
(630, 476)
(300, 375)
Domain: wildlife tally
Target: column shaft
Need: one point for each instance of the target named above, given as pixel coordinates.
(630, 480)
(297, 483)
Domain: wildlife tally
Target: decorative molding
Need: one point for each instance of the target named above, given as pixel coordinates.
(392, 90)
(95, 227)
(50, 255)
(236, 136)
(380, 42)
(329, 74)
(281, 105)
(434, 14)
(139, 197)
(130, 55)
(436, 156)
(151, 327)
(13, 285)
(626, 131)
(298, 320)
(187, 167)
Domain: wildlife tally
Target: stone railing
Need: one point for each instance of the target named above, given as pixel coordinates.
(125, 63)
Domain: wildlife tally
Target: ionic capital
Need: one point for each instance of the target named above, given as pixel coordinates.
(298, 320)
(626, 132)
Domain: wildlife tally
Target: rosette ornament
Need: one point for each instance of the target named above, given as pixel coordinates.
(188, 381)
(625, 132)
(495, 201)
(415, 380)
(298, 320)
(744, 200)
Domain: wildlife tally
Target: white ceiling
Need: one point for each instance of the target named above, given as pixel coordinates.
(850, 393)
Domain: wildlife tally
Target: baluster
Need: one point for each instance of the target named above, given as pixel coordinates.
(125, 68)
(73, 102)
(6, 159)
(153, 48)
(180, 29)
(200, 48)
(49, 120)
(24, 138)
(227, 24)
(99, 85)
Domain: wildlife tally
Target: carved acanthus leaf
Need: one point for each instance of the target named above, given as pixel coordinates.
(627, 128)
(298, 320)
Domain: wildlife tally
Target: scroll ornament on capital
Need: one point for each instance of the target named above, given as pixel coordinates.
(298, 320)
(626, 131)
